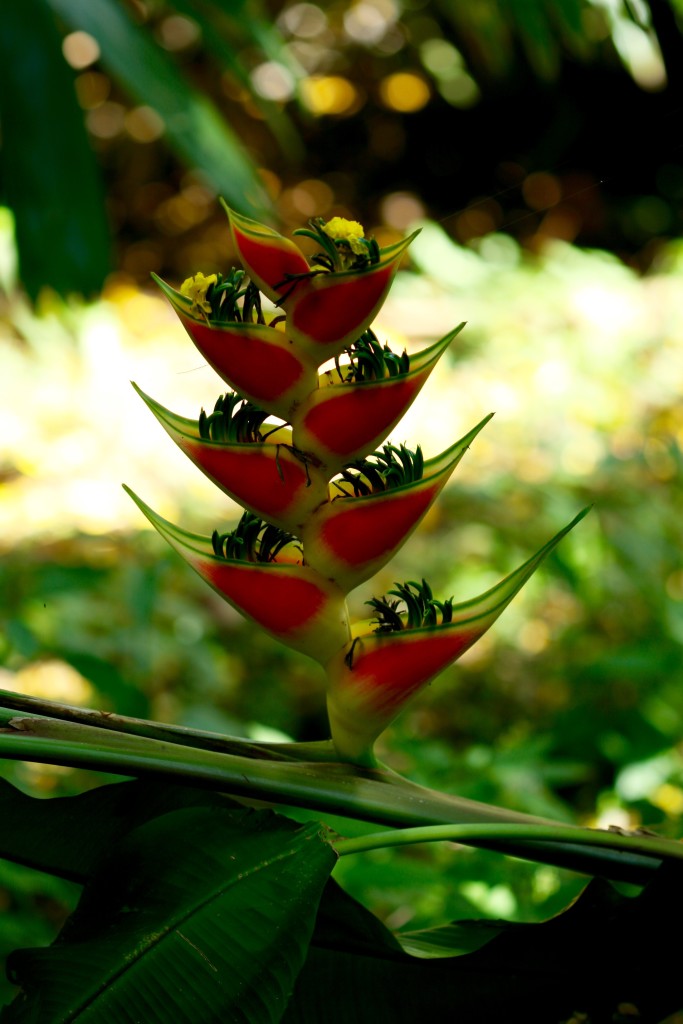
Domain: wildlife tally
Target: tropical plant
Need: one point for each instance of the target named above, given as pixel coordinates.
(198, 907)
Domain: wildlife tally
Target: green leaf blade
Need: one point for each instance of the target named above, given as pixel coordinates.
(604, 950)
(70, 836)
(49, 173)
(199, 915)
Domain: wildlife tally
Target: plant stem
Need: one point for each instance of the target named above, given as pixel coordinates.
(471, 834)
(35, 706)
(375, 795)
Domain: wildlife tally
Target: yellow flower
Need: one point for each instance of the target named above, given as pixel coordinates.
(195, 288)
(349, 231)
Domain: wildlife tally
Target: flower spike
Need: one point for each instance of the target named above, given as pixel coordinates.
(378, 672)
(322, 474)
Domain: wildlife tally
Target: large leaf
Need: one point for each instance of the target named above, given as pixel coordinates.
(194, 127)
(69, 836)
(605, 951)
(48, 173)
(201, 915)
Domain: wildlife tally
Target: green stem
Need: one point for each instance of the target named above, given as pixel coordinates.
(35, 706)
(473, 834)
(375, 795)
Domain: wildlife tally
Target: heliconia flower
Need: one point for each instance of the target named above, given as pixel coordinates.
(349, 231)
(373, 678)
(257, 360)
(195, 289)
(353, 536)
(289, 601)
(269, 477)
(325, 310)
(344, 422)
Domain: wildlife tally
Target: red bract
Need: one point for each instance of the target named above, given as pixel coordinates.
(292, 603)
(258, 361)
(371, 681)
(351, 538)
(343, 422)
(327, 312)
(270, 478)
(270, 259)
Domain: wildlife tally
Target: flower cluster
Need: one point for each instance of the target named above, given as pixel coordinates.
(297, 448)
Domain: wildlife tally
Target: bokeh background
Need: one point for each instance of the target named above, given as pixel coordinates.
(538, 146)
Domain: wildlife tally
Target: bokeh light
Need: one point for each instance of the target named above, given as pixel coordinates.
(309, 198)
(446, 63)
(541, 190)
(273, 81)
(460, 90)
(107, 120)
(404, 91)
(303, 20)
(330, 94)
(144, 124)
(367, 21)
(92, 89)
(440, 57)
(178, 32)
(80, 50)
(401, 209)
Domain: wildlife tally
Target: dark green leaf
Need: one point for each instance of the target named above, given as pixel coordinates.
(49, 174)
(604, 951)
(538, 37)
(199, 916)
(69, 836)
